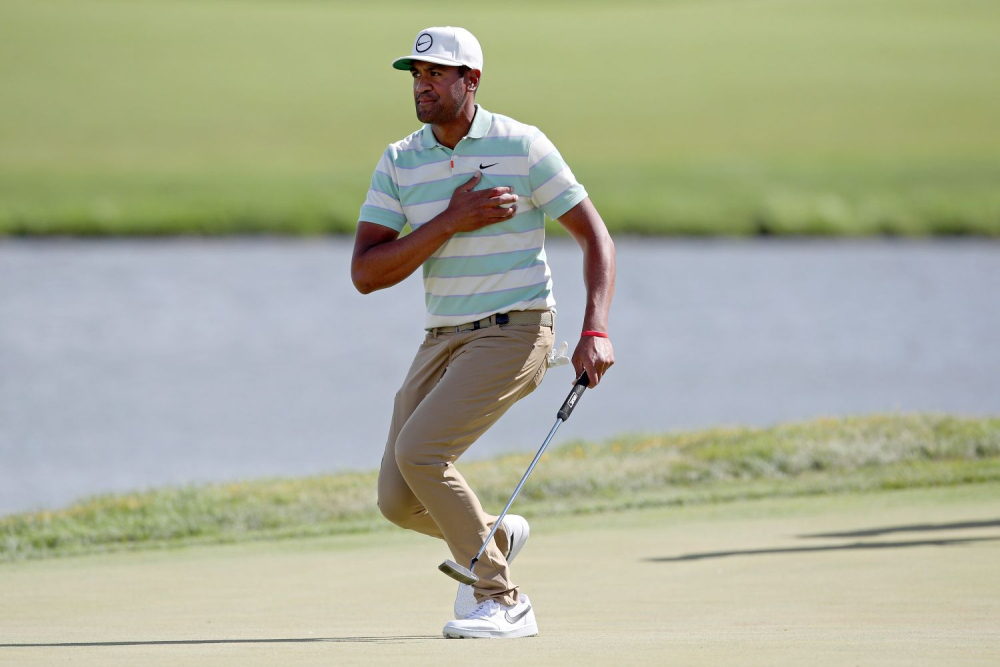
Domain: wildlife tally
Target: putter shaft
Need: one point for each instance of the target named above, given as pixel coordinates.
(456, 571)
(496, 524)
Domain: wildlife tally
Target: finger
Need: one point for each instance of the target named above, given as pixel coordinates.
(592, 373)
(503, 199)
(505, 212)
(501, 190)
(471, 183)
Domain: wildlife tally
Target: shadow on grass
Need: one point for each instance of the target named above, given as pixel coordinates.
(195, 642)
(856, 546)
(915, 528)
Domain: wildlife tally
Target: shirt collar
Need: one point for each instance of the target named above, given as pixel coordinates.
(481, 124)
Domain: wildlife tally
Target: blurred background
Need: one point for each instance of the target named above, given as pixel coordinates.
(804, 195)
(735, 116)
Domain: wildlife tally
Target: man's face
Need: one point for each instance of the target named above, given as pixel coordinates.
(439, 92)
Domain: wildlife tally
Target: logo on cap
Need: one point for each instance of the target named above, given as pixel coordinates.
(424, 42)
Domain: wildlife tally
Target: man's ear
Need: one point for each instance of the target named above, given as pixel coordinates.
(472, 79)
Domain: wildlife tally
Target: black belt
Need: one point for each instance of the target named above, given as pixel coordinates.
(542, 318)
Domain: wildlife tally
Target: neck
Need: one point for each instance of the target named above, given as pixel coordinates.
(450, 134)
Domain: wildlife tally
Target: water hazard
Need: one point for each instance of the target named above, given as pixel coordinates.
(130, 364)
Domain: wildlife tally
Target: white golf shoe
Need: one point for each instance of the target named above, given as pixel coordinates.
(492, 620)
(517, 530)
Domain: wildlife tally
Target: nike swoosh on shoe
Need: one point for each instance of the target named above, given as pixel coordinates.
(518, 616)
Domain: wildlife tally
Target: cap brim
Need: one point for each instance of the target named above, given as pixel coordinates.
(406, 62)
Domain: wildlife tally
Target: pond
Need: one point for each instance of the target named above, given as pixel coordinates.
(127, 364)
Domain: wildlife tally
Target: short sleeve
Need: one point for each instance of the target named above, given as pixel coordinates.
(554, 188)
(382, 204)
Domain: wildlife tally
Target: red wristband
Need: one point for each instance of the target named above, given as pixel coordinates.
(595, 334)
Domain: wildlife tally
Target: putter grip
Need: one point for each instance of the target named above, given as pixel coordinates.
(574, 397)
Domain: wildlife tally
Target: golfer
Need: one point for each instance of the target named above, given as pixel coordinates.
(474, 188)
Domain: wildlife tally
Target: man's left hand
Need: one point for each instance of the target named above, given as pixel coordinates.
(594, 355)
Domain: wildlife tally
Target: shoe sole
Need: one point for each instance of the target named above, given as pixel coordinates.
(526, 631)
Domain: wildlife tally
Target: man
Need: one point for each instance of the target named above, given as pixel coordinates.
(474, 188)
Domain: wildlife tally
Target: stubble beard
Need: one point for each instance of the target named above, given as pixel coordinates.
(442, 113)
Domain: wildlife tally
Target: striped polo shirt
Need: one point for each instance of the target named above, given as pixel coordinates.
(498, 268)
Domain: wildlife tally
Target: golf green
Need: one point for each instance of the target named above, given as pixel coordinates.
(891, 578)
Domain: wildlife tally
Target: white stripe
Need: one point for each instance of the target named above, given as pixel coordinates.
(471, 246)
(382, 200)
(413, 142)
(482, 285)
(504, 126)
(418, 214)
(496, 166)
(540, 149)
(524, 206)
(555, 187)
(425, 173)
(386, 166)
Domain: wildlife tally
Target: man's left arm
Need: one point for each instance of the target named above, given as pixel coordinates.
(593, 354)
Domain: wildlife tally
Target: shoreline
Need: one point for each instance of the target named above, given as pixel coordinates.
(713, 466)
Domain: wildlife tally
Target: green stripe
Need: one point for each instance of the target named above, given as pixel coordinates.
(545, 169)
(459, 267)
(413, 158)
(572, 196)
(423, 193)
(384, 183)
(520, 183)
(523, 222)
(491, 302)
(382, 217)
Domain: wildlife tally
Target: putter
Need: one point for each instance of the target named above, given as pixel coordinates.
(465, 574)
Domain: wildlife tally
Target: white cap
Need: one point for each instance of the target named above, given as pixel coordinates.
(444, 46)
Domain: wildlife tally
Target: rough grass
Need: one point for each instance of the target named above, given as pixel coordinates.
(720, 465)
(716, 117)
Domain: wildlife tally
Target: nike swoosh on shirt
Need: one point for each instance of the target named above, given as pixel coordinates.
(518, 616)
(487, 166)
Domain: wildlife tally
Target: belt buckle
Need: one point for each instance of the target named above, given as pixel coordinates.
(501, 319)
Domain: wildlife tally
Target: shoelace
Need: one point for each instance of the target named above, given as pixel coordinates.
(484, 609)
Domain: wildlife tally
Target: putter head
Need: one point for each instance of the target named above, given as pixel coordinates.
(458, 573)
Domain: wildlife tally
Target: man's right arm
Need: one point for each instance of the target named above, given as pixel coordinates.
(381, 259)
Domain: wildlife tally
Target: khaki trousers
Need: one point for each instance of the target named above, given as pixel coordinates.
(459, 385)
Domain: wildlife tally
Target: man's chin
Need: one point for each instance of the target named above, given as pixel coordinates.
(436, 116)
(431, 116)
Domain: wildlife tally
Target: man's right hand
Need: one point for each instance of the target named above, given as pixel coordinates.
(470, 209)
(381, 258)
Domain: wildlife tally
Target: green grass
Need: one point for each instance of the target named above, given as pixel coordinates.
(719, 116)
(715, 466)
